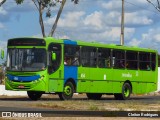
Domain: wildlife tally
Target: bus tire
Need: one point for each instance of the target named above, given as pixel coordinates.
(94, 96)
(126, 92)
(34, 95)
(68, 91)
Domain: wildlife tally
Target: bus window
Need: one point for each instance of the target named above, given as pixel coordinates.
(71, 55)
(89, 57)
(118, 59)
(153, 57)
(104, 58)
(54, 65)
(132, 60)
(144, 61)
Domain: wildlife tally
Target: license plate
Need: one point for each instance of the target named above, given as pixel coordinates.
(21, 86)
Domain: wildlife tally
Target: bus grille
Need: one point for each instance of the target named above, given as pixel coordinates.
(20, 86)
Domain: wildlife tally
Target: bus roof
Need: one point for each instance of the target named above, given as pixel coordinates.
(92, 44)
(96, 44)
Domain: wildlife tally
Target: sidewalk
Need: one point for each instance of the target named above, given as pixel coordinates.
(11, 93)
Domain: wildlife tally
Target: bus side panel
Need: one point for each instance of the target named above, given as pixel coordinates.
(84, 82)
(119, 77)
(83, 86)
(56, 85)
(142, 88)
(93, 80)
(56, 81)
(101, 80)
(151, 81)
(147, 83)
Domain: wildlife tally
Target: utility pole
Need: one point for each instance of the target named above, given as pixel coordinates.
(122, 25)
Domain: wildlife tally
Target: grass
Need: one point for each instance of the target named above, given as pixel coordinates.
(98, 105)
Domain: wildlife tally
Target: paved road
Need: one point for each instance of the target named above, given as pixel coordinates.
(24, 104)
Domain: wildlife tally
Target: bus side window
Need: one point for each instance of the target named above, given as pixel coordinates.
(89, 56)
(132, 60)
(153, 61)
(54, 65)
(67, 61)
(104, 58)
(119, 59)
(71, 55)
(144, 61)
(93, 57)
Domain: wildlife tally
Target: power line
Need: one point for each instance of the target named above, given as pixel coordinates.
(140, 7)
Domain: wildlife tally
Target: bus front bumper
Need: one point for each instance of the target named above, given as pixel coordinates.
(25, 86)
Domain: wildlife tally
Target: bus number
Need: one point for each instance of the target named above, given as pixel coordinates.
(83, 75)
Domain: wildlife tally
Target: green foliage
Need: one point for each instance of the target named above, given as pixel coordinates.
(75, 1)
(19, 1)
(2, 54)
(94, 108)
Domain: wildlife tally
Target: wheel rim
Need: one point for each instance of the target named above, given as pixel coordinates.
(126, 92)
(68, 90)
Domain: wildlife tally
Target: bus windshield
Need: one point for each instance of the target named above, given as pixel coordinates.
(32, 59)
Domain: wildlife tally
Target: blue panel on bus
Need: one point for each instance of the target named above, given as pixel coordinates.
(70, 72)
(23, 78)
(70, 42)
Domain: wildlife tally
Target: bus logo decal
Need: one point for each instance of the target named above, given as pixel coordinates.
(136, 73)
(127, 75)
(105, 77)
(15, 78)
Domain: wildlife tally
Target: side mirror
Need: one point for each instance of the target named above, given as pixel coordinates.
(53, 56)
(2, 54)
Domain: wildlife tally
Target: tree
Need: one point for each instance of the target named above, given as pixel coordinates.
(156, 6)
(2, 2)
(46, 5)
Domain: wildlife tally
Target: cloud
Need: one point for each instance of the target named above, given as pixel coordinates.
(4, 16)
(148, 39)
(94, 20)
(135, 18)
(157, 37)
(2, 11)
(3, 44)
(136, 14)
(116, 5)
(70, 19)
(99, 19)
(1, 25)
(112, 5)
(134, 42)
(26, 6)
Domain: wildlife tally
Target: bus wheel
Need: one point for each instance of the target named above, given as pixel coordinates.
(94, 96)
(68, 91)
(34, 95)
(126, 92)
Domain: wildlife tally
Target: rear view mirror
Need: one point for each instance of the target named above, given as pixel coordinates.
(53, 56)
(2, 54)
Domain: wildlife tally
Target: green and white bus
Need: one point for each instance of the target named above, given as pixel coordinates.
(47, 65)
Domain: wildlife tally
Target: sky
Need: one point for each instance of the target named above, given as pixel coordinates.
(90, 20)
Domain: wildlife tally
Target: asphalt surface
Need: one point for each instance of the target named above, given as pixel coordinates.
(22, 106)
